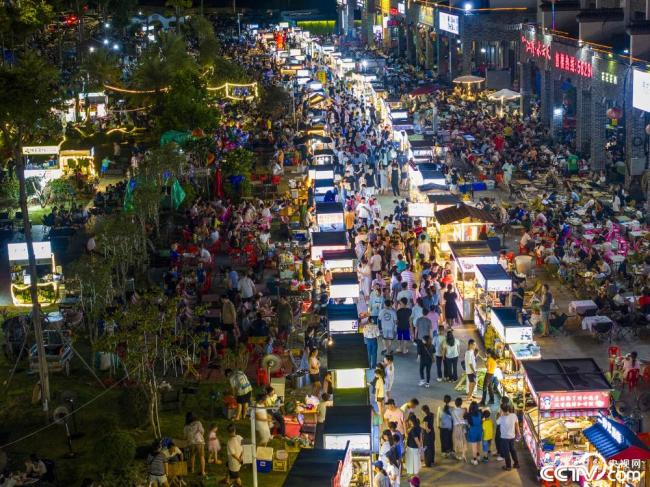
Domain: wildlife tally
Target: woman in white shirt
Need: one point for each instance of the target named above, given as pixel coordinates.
(450, 351)
(470, 368)
(459, 429)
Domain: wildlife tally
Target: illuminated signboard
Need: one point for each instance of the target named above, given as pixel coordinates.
(401, 8)
(43, 150)
(426, 15)
(340, 442)
(573, 65)
(609, 78)
(641, 90)
(608, 426)
(573, 400)
(536, 48)
(449, 23)
(18, 251)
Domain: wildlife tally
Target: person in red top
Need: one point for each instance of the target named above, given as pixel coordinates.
(499, 142)
(644, 301)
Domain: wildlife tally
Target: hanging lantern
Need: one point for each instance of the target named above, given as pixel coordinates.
(647, 129)
(614, 113)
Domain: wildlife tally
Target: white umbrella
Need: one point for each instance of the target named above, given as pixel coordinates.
(468, 79)
(504, 94)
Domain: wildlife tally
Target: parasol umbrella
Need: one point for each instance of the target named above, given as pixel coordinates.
(504, 95)
(469, 79)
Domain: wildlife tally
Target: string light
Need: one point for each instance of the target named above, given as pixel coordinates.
(135, 92)
(227, 86)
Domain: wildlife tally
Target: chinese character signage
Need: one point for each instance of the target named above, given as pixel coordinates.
(536, 48)
(573, 400)
(573, 65)
(449, 23)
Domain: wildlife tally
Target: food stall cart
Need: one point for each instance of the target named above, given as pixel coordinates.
(49, 162)
(441, 200)
(490, 280)
(321, 241)
(318, 467)
(344, 285)
(512, 341)
(466, 256)
(49, 278)
(321, 187)
(353, 424)
(342, 318)
(347, 359)
(329, 217)
(626, 454)
(321, 157)
(340, 260)
(461, 223)
(568, 395)
(325, 171)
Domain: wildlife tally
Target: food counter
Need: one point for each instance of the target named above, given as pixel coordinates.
(340, 260)
(342, 318)
(467, 255)
(48, 280)
(347, 359)
(569, 394)
(321, 241)
(329, 217)
(490, 280)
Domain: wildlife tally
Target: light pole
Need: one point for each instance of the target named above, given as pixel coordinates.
(253, 408)
(239, 26)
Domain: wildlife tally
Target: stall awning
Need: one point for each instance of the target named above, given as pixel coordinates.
(553, 375)
(347, 351)
(347, 254)
(324, 183)
(615, 441)
(493, 272)
(507, 315)
(461, 212)
(348, 420)
(343, 278)
(326, 239)
(314, 467)
(442, 199)
(324, 152)
(426, 188)
(328, 208)
(342, 312)
(472, 248)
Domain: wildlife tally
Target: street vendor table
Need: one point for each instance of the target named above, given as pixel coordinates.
(581, 307)
(589, 322)
(210, 298)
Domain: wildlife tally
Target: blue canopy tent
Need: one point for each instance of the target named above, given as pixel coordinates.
(615, 441)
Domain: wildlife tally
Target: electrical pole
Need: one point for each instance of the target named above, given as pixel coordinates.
(36, 309)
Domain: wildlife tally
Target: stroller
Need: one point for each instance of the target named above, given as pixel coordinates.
(603, 331)
(557, 322)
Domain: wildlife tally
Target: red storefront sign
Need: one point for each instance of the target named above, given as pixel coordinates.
(573, 400)
(573, 65)
(536, 48)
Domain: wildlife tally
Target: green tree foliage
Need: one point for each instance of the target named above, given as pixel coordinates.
(207, 41)
(21, 19)
(179, 6)
(114, 452)
(274, 103)
(9, 192)
(100, 67)
(238, 162)
(186, 105)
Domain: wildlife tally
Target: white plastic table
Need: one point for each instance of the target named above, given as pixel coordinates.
(588, 322)
(581, 307)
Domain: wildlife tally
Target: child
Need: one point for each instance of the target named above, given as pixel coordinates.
(213, 445)
(488, 434)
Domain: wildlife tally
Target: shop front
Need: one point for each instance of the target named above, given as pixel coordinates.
(347, 359)
(567, 397)
(466, 256)
(461, 223)
(342, 318)
(353, 424)
(48, 280)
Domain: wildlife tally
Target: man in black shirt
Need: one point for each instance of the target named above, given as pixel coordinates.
(403, 326)
(517, 297)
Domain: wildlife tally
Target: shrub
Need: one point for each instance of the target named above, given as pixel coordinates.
(114, 452)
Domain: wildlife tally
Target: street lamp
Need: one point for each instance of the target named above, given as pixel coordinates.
(105, 42)
(91, 49)
(468, 6)
(116, 47)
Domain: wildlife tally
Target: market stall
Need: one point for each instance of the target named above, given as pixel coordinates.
(329, 217)
(48, 278)
(568, 395)
(344, 285)
(461, 223)
(347, 359)
(321, 187)
(353, 424)
(321, 241)
(317, 172)
(322, 157)
(491, 279)
(440, 201)
(342, 318)
(340, 260)
(466, 256)
(318, 467)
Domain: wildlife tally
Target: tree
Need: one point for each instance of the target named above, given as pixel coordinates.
(207, 41)
(100, 68)
(274, 102)
(29, 91)
(20, 20)
(179, 6)
(121, 11)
